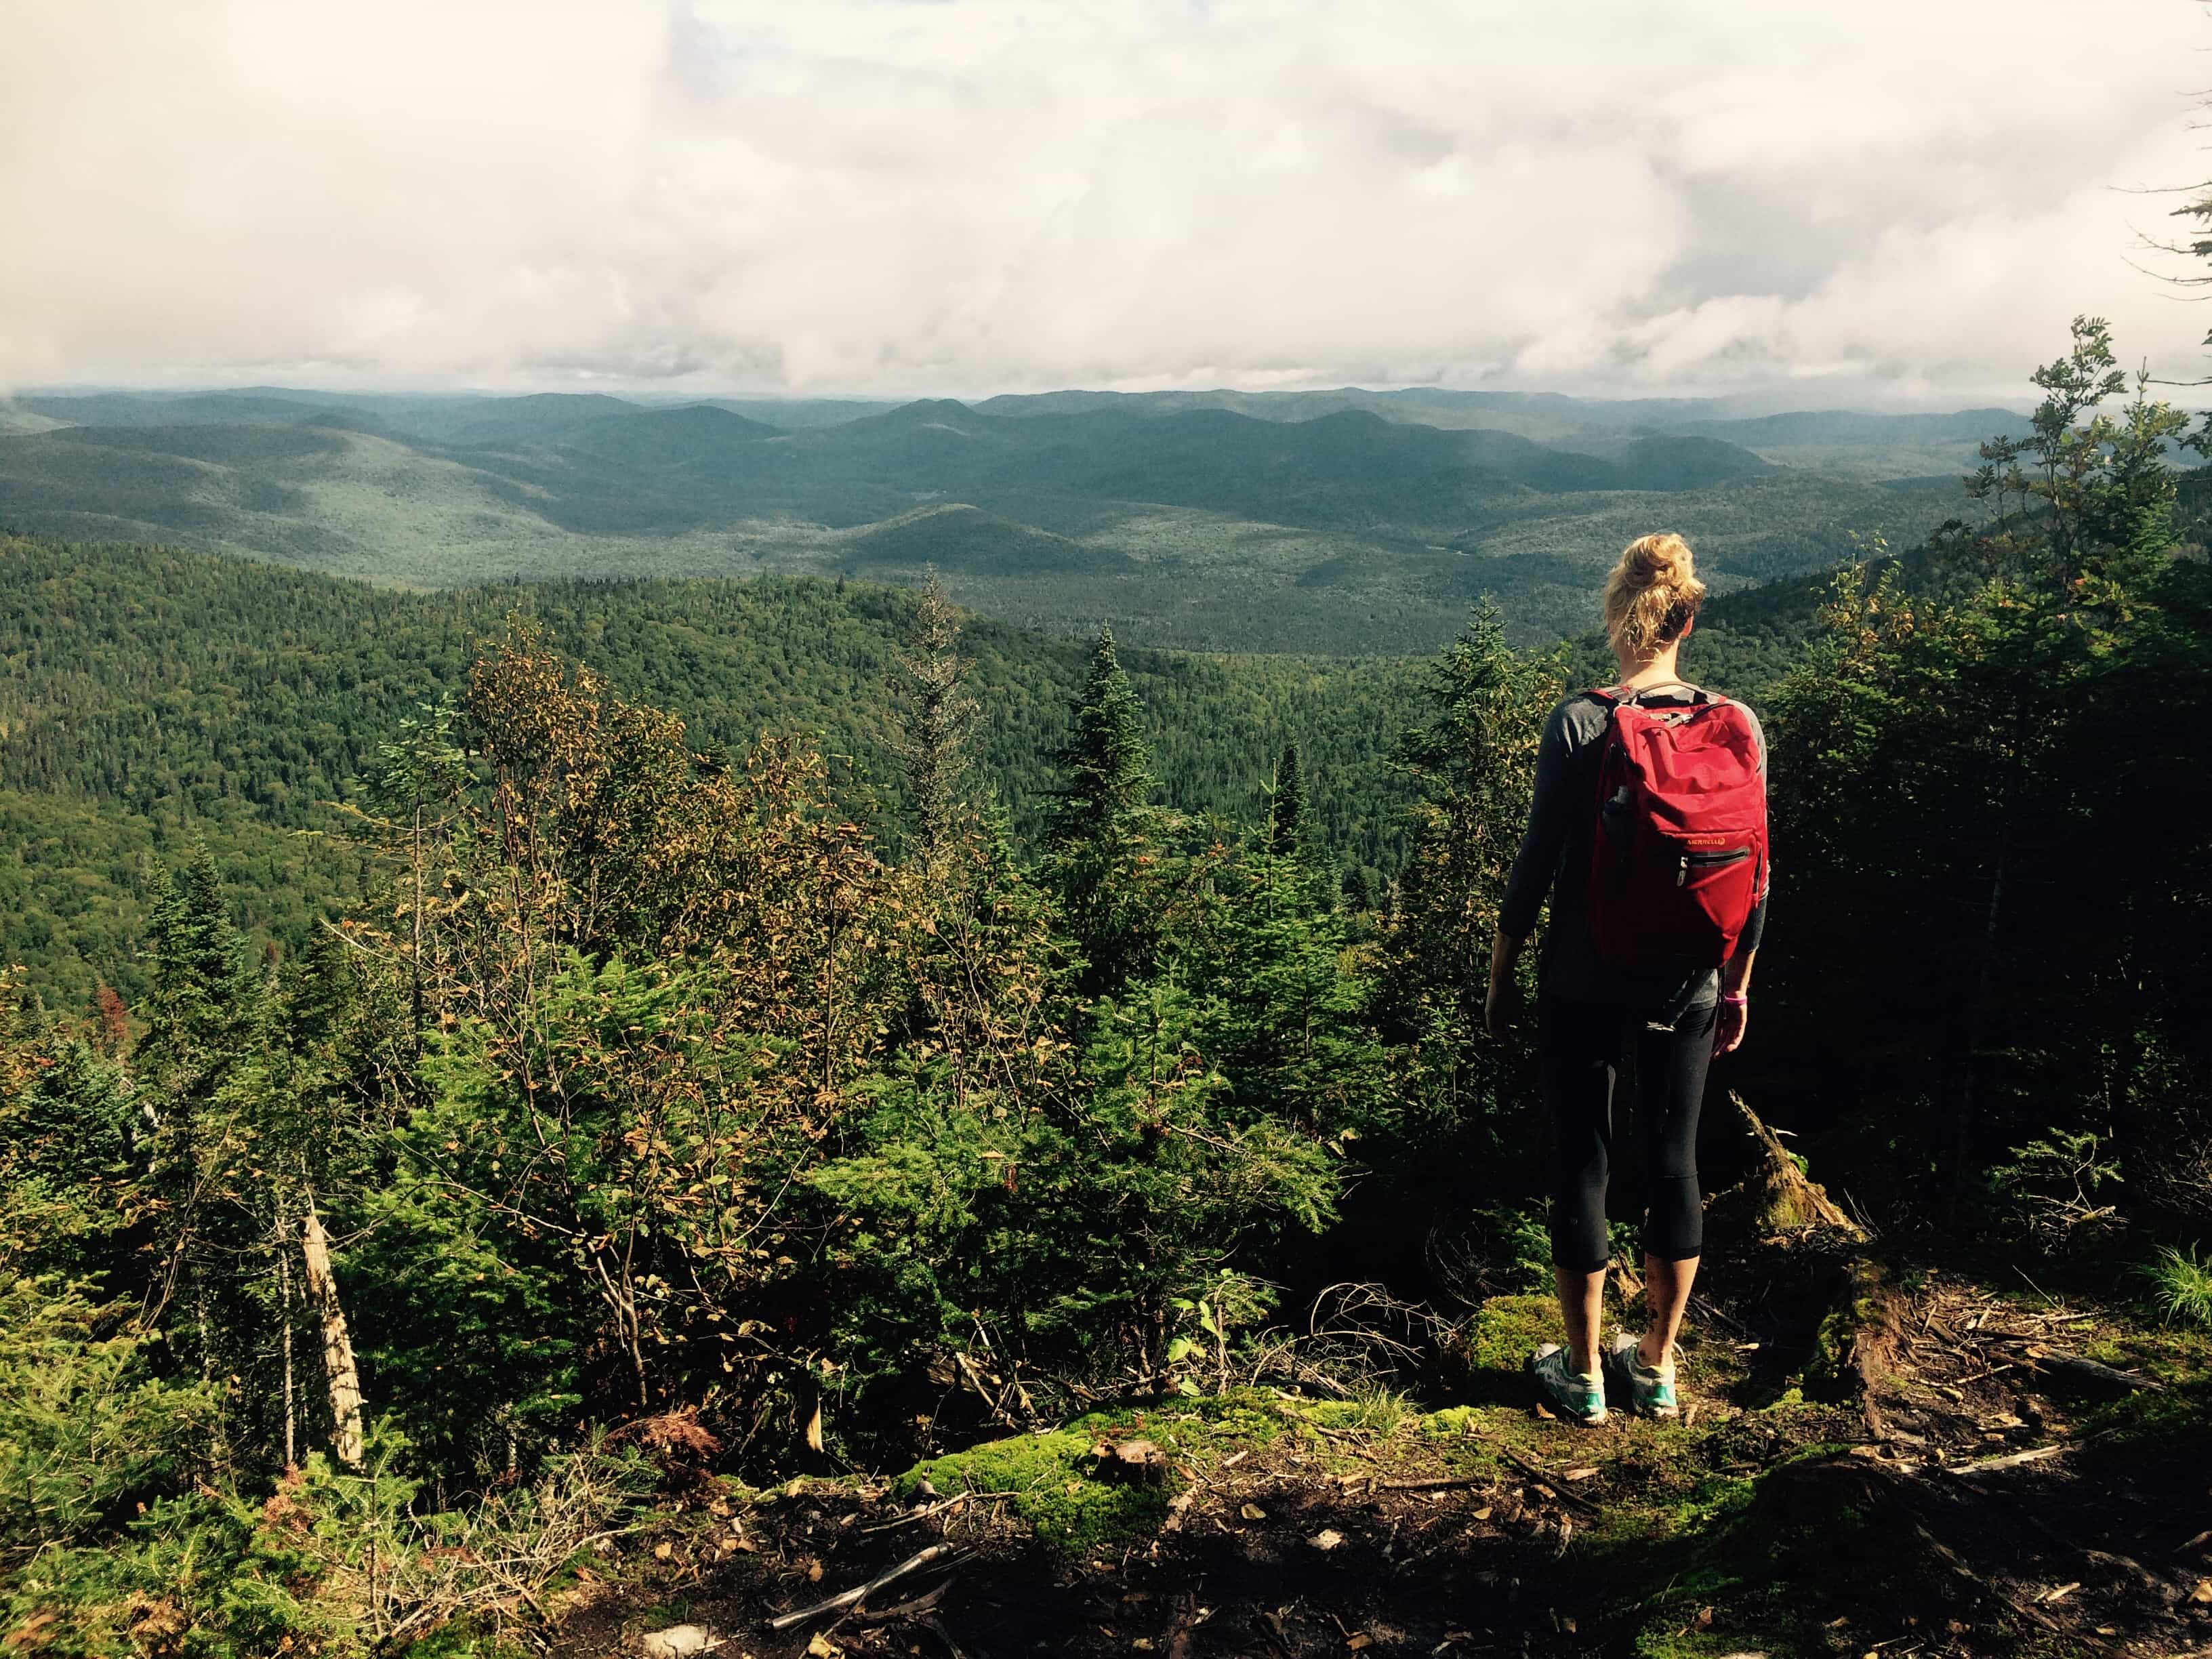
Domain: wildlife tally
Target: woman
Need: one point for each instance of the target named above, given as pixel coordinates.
(1594, 1012)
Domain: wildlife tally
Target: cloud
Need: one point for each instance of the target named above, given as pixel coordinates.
(1869, 203)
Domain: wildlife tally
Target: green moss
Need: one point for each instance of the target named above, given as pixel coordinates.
(1378, 1412)
(2175, 1421)
(1668, 1639)
(466, 1639)
(1487, 1358)
(1778, 1556)
(1052, 1477)
(1197, 1430)
(1453, 1422)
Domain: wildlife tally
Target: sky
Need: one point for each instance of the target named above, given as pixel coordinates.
(1877, 204)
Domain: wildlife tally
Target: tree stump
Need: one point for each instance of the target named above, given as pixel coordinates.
(1137, 1462)
(1776, 1196)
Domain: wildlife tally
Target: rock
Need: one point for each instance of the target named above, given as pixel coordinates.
(679, 1642)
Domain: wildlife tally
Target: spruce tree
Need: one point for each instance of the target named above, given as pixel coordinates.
(1287, 806)
(937, 719)
(1104, 757)
(1102, 863)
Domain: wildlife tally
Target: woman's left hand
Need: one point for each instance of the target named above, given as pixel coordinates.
(1728, 1029)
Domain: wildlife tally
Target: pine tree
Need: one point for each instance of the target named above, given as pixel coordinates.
(1104, 864)
(1474, 767)
(1104, 757)
(204, 985)
(1287, 806)
(937, 719)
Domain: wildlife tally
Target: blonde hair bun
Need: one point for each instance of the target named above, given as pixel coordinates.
(1651, 595)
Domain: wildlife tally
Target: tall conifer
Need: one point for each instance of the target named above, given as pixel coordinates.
(1287, 806)
(1105, 758)
(938, 717)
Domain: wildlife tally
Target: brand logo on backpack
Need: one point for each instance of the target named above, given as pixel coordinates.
(1679, 858)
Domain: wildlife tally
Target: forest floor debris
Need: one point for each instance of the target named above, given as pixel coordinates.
(2007, 1505)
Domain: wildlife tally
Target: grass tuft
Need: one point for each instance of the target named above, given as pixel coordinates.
(2178, 1285)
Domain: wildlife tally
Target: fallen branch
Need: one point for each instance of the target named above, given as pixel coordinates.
(854, 1597)
(2010, 1460)
(1551, 1482)
(917, 1610)
(2080, 1370)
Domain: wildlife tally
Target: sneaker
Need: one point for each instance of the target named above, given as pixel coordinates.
(1650, 1388)
(1571, 1393)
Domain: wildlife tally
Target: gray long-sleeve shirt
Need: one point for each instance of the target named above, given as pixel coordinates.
(1554, 860)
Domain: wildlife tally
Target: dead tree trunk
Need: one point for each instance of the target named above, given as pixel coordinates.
(291, 1414)
(337, 1343)
(1962, 1127)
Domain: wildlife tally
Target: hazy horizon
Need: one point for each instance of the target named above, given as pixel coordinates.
(1729, 405)
(1876, 206)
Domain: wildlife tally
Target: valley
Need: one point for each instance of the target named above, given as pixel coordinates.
(1351, 524)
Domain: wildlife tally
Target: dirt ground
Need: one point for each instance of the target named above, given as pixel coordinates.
(2025, 1475)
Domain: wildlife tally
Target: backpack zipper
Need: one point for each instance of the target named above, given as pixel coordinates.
(1701, 860)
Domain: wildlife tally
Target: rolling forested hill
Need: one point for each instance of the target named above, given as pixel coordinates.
(153, 691)
(1346, 523)
(150, 696)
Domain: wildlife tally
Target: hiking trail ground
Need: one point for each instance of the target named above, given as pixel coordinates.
(2015, 1470)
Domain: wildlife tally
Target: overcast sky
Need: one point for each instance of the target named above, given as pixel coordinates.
(1883, 202)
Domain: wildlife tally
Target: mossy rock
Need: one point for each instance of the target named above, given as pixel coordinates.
(1487, 1359)
(1057, 1484)
(1778, 1559)
(1053, 1481)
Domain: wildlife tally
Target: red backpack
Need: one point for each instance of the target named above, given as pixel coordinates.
(1677, 855)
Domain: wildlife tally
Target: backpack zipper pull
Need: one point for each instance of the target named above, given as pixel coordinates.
(1682, 871)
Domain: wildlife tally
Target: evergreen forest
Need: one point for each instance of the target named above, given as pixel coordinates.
(539, 1116)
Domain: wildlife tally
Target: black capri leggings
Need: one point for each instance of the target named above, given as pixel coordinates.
(1580, 1049)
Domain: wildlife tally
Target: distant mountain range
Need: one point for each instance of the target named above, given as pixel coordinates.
(1352, 521)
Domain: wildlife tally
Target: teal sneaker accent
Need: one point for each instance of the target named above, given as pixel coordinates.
(1569, 1392)
(1650, 1389)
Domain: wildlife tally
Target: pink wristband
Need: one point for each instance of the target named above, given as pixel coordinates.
(1737, 1002)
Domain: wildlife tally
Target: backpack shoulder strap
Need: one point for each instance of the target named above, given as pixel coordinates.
(1616, 697)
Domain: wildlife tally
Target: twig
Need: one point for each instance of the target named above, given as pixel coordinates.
(934, 1552)
(1445, 1484)
(2089, 1370)
(1551, 1482)
(914, 1609)
(1710, 1312)
(938, 1508)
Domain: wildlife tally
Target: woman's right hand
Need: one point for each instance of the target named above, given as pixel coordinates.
(1501, 1006)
